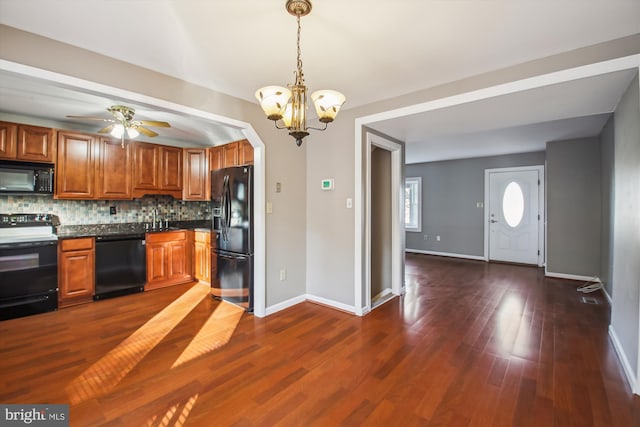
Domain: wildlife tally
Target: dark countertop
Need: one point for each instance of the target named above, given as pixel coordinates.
(95, 230)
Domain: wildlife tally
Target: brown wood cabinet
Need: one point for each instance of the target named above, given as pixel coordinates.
(204, 266)
(27, 143)
(196, 184)
(215, 158)
(114, 173)
(157, 169)
(232, 154)
(169, 260)
(76, 271)
(76, 166)
(245, 152)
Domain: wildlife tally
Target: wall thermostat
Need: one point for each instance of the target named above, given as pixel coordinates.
(327, 184)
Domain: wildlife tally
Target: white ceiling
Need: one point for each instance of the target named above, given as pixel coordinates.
(368, 50)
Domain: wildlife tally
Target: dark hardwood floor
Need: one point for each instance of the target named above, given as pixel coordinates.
(470, 344)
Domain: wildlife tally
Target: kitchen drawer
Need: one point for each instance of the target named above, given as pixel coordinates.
(76, 244)
(166, 236)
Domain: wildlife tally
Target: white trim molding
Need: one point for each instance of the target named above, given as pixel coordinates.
(572, 277)
(624, 361)
(331, 303)
(285, 304)
(447, 254)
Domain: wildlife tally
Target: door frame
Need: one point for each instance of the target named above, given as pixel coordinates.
(542, 223)
(397, 222)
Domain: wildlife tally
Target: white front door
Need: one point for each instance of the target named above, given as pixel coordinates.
(514, 215)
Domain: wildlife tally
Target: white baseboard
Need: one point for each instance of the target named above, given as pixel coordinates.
(572, 277)
(285, 304)
(331, 303)
(626, 366)
(302, 298)
(448, 254)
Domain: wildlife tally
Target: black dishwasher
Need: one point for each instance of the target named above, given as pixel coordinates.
(121, 265)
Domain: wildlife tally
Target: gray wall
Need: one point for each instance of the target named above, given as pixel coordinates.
(626, 226)
(573, 207)
(380, 220)
(450, 193)
(606, 187)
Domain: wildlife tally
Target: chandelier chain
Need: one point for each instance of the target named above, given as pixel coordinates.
(300, 75)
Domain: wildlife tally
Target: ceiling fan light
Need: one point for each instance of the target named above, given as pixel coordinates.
(327, 103)
(117, 131)
(273, 100)
(132, 132)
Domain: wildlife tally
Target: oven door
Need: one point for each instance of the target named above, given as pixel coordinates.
(29, 282)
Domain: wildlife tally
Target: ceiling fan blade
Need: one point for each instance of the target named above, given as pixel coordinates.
(145, 131)
(154, 123)
(92, 118)
(106, 129)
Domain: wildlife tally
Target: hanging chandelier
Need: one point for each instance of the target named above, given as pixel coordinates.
(289, 105)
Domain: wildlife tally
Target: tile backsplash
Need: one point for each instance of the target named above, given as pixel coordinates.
(76, 212)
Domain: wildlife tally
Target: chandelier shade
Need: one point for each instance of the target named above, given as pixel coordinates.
(289, 105)
(273, 100)
(327, 103)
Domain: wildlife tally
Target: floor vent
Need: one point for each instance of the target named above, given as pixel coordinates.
(589, 300)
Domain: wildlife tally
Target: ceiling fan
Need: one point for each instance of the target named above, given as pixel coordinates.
(122, 122)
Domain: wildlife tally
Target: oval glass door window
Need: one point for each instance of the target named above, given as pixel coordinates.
(513, 204)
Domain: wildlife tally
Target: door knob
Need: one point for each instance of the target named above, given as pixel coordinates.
(493, 220)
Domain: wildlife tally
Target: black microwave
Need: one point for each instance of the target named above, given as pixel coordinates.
(26, 178)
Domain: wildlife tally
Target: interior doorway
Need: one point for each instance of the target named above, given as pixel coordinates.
(514, 215)
(384, 229)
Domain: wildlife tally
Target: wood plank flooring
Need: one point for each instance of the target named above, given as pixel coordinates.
(470, 344)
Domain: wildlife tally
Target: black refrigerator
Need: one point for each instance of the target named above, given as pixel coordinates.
(232, 207)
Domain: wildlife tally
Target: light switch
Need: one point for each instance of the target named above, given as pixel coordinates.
(349, 203)
(269, 207)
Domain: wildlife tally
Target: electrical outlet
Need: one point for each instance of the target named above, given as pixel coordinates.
(283, 275)
(112, 210)
(426, 237)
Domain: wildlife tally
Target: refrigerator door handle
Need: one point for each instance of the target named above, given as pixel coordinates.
(230, 256)
(225, 208)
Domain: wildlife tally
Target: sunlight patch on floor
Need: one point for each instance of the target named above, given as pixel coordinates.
(101, 377)
(168, 417)
(215, 333)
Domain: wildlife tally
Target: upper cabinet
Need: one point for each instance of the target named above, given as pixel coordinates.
(196, 174)
(245, 152)
(215, 158)
(157, 169)
(232, 154)
(114, 173)
(27, 143)
(76, 165)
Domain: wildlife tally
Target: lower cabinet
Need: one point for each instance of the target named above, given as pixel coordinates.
(76, 271)
(169, 260)
(204, 266)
